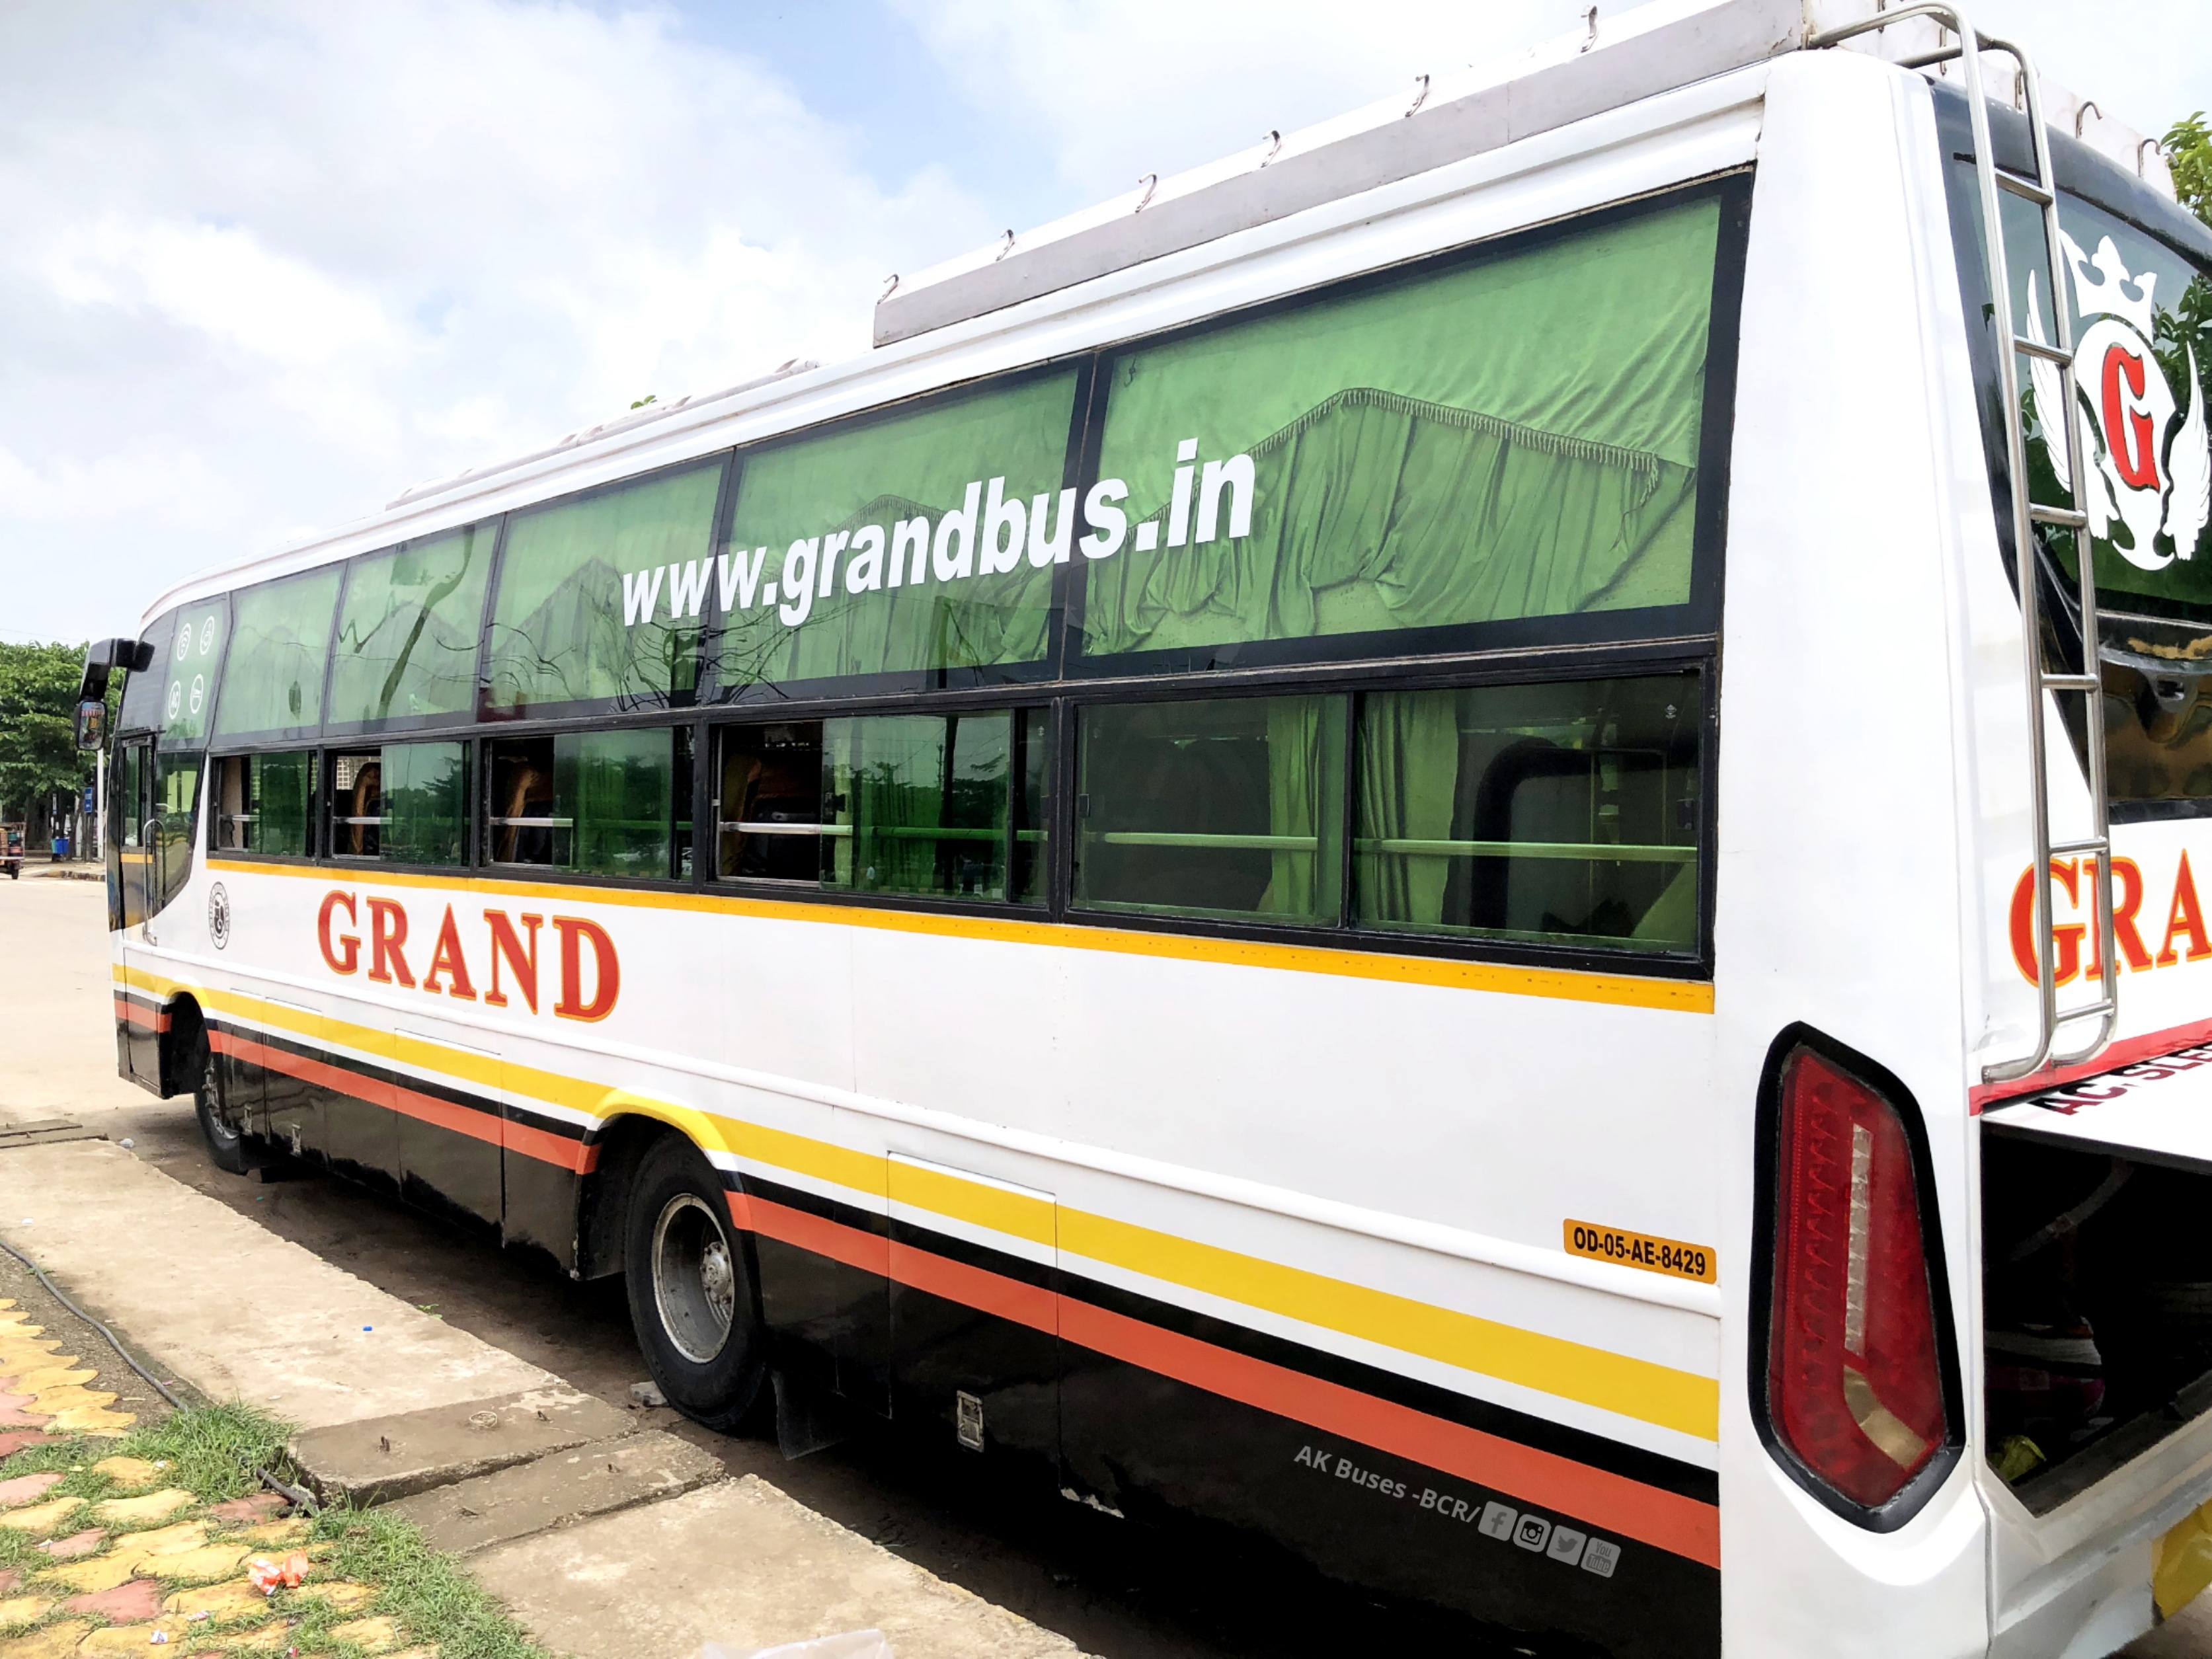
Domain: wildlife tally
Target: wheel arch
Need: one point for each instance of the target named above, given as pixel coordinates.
(184, 1027)
(629, 1126)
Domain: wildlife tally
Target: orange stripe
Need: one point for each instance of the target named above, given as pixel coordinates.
(550, 1148)
(1615, 1503)
(462, 1120)
(975, 1287)
(849, 1245)
(154, 1019)
(1668, 1521)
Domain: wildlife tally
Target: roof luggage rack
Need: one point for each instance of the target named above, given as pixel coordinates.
(2027, 515)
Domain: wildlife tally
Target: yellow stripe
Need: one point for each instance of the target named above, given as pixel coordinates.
(1017, 1215)
(1651, 1393)
(1639, 1388)
(1683, 996)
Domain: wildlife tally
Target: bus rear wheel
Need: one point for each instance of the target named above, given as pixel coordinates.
(691, 1286)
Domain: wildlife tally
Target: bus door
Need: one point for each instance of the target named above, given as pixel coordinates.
(133, 835)
(975, 1328)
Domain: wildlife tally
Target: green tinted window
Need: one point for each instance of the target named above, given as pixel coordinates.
(604, 803)
(190, 674)
(406, 803)
(1229, 806)
(273, 681)
(141, 710)
(176, 798)
(603, 596)
(266, 804)
(922, 541)
(1565, 813)
(407, 632)
(919, 803)
(1516, 437)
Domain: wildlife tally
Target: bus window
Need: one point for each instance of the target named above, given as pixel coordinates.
(407, 631)
(1566, 813)
(1227, 808)
(266, 804)
(600, 803)
(406, 803)
(273, 679)
(921, 804)
(768, 803)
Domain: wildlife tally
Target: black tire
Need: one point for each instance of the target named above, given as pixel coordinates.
(226, 1142)
(691, 1283)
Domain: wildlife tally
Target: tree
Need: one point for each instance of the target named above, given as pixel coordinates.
(38, 757)
(2188, 146)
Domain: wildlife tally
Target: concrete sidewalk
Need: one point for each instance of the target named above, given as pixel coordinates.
(608, 1543)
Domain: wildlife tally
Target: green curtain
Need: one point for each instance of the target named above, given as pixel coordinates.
(284, 801)
(916, 463)
(925, 797)
(1408, 781)
(618, 788)
(1305, 773)
(1600, 763)
(1514, 437)
(1375, 512)
(408, 630)
(559, 632)
(273, 679)
(426, 801)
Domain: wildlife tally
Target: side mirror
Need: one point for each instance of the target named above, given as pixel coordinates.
(92, 724)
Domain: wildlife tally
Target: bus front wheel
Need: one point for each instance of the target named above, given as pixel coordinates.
(226, 1140)
(691, 1287)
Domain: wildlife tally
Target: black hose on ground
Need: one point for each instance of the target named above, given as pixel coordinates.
(298, 1496)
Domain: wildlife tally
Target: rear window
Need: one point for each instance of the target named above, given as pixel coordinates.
(2140, 310)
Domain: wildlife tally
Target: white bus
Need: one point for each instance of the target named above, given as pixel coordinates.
(1346, 852)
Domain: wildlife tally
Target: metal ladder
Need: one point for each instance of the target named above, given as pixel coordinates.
(2025, 515)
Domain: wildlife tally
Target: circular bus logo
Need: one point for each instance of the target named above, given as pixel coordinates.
(219, 915)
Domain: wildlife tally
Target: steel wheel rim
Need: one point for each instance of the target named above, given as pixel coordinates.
(212, 1089)
(694, 1279)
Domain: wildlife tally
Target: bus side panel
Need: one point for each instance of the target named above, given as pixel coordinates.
(1185, 1451)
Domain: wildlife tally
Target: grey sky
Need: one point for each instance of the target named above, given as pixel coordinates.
(267, 263)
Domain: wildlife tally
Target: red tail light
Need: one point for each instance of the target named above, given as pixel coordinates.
(1854, 1378)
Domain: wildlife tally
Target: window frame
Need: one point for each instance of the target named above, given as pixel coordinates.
(487, 716)
(1698, 614)
(317, 836)
(404, 725)
(1523, 651)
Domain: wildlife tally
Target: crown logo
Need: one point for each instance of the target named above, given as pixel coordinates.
(2102, 286)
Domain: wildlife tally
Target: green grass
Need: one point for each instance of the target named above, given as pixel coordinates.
(426, 1591)
(213, 1451)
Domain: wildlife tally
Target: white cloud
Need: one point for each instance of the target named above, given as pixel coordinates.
(1121, 88)
(268, 262)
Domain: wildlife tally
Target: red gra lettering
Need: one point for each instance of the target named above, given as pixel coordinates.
(2127, 879)
(447, 963)
(505, 945)
(2184, 915)
(331, 900)
(2066, 939)
(388, 938)
(607, 980)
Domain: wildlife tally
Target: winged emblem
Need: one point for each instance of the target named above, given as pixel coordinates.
(2148, 466)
